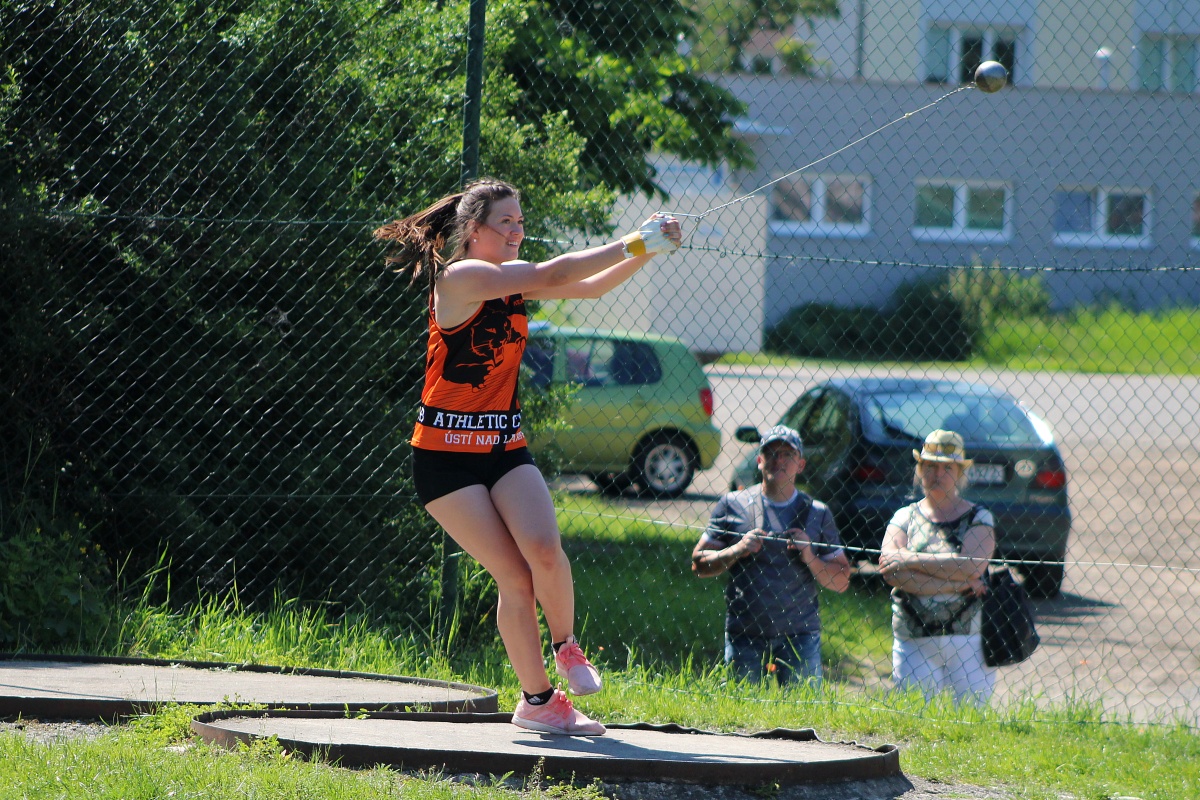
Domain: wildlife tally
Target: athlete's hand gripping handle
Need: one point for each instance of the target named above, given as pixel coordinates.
(652, 237)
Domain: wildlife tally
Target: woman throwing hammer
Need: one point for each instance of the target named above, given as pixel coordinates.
(471, 468)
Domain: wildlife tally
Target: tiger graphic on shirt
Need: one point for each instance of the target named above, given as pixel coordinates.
(469, 403)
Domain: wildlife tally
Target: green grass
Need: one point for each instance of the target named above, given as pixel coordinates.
(760, 360)
(665, 615)
(122, 767)
(1108, 340)
(635, 594)
(1028, 748)
(220, 630)
(1033, 752)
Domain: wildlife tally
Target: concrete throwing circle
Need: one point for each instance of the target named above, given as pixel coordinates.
(106, 688)
(490, 743)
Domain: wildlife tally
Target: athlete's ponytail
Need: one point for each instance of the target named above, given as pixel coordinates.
(417, 242)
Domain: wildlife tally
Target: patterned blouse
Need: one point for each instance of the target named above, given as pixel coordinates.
(942, 614)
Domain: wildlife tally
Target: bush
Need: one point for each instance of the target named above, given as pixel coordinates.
(54, 580)
(233, 390)
(797, 57)
(950, 316)
(824, 331)
(929, 323)
(946, 317)
(993, 294)
(192, 311)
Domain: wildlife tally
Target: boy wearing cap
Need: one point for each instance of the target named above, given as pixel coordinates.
(777, 544)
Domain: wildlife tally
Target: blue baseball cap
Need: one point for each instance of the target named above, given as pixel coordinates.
(782, 433)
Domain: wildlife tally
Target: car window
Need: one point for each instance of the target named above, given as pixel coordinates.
(794, 418)
(826, 425)
(538, 362)
(983, 420)
(611, 362)
(634, 364)
(579, 355)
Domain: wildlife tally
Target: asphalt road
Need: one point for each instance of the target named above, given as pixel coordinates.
(1125, 632)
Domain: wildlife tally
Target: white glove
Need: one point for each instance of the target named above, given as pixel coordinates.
(649, 239)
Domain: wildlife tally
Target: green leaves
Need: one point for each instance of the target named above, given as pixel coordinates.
(197, 316)
(623, 88)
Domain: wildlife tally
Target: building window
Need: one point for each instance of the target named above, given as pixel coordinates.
(1167, 63)
(821, 205)
(1093, 217)
(952, 52)
(963, 211)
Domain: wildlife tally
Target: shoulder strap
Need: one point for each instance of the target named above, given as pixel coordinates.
(755, 508)
(812, 525)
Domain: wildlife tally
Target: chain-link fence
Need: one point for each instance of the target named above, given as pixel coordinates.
(209, 371)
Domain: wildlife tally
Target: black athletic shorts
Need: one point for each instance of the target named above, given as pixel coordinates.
(437, 473)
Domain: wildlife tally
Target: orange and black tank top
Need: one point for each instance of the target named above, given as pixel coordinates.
(469, 403)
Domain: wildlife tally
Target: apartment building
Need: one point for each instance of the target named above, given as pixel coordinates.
(1086, 168)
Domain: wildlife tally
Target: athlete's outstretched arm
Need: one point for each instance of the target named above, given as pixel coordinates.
(594, 286)
(471, 281)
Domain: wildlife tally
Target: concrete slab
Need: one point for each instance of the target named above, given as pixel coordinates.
(489, 743)
(107, 688)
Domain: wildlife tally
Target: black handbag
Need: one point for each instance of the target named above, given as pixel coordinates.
(1009, 632)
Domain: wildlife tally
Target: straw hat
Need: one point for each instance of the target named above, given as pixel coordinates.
(946, 446)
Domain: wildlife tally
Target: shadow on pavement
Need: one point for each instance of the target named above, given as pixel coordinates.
(1070, 609)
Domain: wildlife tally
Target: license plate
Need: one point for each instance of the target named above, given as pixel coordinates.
(987, 475)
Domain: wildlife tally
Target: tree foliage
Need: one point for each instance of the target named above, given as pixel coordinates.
(194, 322)
(612, 68)
(729, 26)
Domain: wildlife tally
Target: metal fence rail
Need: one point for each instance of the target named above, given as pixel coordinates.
(209, 370)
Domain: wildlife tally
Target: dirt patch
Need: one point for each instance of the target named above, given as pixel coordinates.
(897, 788)
(50, 731)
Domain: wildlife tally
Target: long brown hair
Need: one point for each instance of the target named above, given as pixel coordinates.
(416, 243)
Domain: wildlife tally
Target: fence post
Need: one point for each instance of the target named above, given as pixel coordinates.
(474, 96)
(470, 170)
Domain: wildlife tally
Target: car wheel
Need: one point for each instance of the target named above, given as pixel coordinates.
(664, 465)
(612, 484)
(1043, 580)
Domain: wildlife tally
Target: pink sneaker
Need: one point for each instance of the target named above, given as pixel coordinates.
(556, 716)
(572, 664)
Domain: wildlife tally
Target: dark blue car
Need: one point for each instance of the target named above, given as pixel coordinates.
(859, 434)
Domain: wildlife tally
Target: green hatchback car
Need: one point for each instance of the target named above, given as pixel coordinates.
(642, 414)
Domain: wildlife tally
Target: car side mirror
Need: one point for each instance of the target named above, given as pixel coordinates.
(748, 434)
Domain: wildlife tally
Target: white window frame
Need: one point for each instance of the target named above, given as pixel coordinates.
(817, 227)
(959, 232)
(990, 34)
(1167, 44)
(1098, 238)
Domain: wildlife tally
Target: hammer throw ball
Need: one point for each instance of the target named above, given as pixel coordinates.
(990, 76)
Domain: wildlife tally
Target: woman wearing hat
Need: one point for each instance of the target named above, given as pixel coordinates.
(935, 556)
